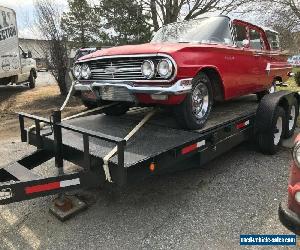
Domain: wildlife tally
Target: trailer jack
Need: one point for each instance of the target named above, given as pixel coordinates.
(66, 206)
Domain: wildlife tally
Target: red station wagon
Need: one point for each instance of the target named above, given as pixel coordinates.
(188, 65)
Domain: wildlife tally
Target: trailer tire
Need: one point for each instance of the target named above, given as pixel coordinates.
(291, 120)
(116, 110)
(184, 112)
(31, 80)
(270, 140)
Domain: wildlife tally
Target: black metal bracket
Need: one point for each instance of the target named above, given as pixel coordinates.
(58, 125)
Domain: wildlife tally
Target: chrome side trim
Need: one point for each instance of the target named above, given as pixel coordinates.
(180, 87)
(281, 68)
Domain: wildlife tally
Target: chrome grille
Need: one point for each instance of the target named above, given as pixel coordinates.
(115, 94)
(119, 68)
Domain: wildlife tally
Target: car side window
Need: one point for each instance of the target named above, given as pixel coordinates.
(273, 40)
(240, 35)
(255, 40)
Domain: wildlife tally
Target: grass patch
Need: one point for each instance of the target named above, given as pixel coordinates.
(292, 86)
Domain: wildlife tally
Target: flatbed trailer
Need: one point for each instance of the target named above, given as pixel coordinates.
(154, 149)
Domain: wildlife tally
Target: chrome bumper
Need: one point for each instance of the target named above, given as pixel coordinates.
(180, 87)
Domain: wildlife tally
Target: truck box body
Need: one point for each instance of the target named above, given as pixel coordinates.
(9, 43)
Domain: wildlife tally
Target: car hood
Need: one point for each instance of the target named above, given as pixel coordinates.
(147, 48)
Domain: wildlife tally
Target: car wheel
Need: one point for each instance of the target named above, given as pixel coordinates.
(292, 116)
(31, 80)
(269, 141)
(117, 110)
(270, 90)
(193, 112)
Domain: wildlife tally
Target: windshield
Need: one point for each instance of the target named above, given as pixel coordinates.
(204, 30)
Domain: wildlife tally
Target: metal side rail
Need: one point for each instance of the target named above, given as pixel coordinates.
(57, 125)
(22, 184)
(19, 182)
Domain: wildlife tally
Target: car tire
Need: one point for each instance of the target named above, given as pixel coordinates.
(117, 110)
(31, 80)
(270, 90)
(291, 120)
(270, 140)
(187, 113)
(89, 104)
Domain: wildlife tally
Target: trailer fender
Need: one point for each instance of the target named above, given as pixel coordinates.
(267, 107)
(272, 120)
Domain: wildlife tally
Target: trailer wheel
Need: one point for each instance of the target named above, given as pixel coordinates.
(270, 140)
(193, 112)
(117, 110)
(31, 80)
(292, 116)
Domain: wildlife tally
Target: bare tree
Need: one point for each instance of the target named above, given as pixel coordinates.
(291, 7)
(168, 11)
(283, 16)
(288, 27)
(49, 24)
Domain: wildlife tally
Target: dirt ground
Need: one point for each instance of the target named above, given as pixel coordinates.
(39, 101)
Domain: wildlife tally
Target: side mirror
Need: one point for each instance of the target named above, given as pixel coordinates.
(29, 54)
(245, 43)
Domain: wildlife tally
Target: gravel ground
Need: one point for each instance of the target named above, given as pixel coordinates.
(204, 208)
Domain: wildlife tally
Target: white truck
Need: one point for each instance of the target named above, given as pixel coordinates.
(16, 66)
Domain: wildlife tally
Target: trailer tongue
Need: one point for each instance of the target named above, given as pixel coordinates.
(155, 148)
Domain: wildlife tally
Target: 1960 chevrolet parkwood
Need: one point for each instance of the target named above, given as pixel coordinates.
(187, 65)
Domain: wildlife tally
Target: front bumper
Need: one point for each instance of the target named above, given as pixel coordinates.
(182, 86)
(289, 219)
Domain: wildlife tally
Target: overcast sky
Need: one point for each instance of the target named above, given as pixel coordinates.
(25, 15)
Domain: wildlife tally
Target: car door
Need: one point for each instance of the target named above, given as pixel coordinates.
(242, 65)
(260, 60)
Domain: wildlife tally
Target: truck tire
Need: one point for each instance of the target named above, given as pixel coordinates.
(193, 112)
(31, 80)
(291, 120)
(270, 140)
(117, 110)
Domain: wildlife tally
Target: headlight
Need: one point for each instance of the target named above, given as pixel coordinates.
(85, 71)
(165, 68)
(148, 69)
(77, 71)
(296, 154)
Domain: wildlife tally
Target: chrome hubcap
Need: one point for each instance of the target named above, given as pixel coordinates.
(277, 134)
(292, 117)
(200, 101)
